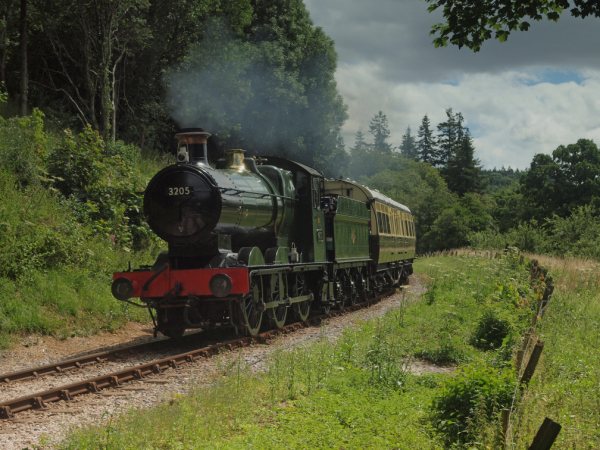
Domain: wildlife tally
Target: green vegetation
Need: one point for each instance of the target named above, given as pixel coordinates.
(471, 24)
(552, 208)
(470, 401)
(69, 217)
(359, 392)
(565, 387)
(260, 76)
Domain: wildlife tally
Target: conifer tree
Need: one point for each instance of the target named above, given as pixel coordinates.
(450, 134)
(360, 154)
(425, 142)
(408, 147)
(463, 173)
(380, 130)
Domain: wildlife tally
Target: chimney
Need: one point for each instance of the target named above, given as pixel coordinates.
(191, 146)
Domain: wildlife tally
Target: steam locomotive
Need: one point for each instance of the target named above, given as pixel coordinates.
(252, 241)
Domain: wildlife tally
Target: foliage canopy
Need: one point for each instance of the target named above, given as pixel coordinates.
(470, 24)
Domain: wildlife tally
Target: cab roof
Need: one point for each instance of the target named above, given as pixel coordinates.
(349, 188)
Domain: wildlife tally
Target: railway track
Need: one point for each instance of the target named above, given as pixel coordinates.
(94, 357)
(39, 400)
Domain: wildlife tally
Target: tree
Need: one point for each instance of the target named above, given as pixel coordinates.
(380, 130)
(367, 162)
(309, 62)
(462, 172)
(360, 144)
(455, 155)
(10, 15)
(270, 89)
(23, 39)
(508, 209)
(494, 180)
(449, 137)
(426, 145)
(82, 48)
(559, 183)
(469, 23)
(173, 29)
(408, 147)
(362, 161)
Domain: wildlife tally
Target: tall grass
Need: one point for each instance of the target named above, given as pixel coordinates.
(567, 385)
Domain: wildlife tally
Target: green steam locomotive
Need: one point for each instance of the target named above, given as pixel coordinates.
(253, 241)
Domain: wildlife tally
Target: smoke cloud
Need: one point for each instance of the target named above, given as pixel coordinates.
(241, 91)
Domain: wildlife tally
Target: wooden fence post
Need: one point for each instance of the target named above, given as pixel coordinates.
(533, 361)
(523, 350)
(546, 435)
(505, 426)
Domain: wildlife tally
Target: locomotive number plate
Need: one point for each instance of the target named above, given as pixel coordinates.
(180, 190)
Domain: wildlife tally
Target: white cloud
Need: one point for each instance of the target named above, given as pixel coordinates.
(510, 118)
(387, 62)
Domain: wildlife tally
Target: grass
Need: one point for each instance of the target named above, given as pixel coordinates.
(356, 392)
(567, 385)
(62, 303)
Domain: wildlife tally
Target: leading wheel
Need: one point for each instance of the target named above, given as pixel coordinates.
(170, 322)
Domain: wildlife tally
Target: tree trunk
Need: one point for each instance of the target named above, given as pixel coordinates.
(105, 102)
(23, 53)
(4, 47)
(106, 55)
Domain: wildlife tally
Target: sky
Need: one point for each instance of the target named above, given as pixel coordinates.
(530, 94)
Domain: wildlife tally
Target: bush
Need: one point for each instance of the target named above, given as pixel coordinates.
(386, 367)
(470, 401)
(24, 147)
(491, 331)
(36, 231)
(103, 186)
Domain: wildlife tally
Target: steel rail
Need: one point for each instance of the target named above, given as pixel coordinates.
(88, 359)
(39, 400)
